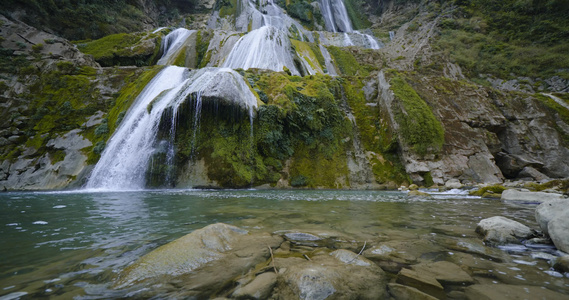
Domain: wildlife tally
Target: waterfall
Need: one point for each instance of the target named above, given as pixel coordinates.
(335, 16)
(263, 48)
(172, 43)
(336, 19)
(126, 158)
(391, 35)
(124, 161)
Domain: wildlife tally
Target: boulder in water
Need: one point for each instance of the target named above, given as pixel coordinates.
(499, 230)
(527, 196)
(340, 275)
(558, 229)
(203, 260)
(548, 210)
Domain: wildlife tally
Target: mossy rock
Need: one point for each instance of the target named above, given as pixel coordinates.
(489, 191)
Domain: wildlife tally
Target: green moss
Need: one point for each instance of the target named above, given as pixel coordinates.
(493, 189)
(306, 51)
(561, 184)
(227, 8)
(560, 111)
(57, 156)
(202, 44)
(348, 65)
(418, 126)
(121, 49)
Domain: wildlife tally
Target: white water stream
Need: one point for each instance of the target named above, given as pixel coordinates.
(124, 162)
(263, 48)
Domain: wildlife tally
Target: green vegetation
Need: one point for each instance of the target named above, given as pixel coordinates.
(123, 49)
(376, 136)
(202, 44)
(485, 191)
(508, 38)
(561, 184)
(418, 125)
(347, 63)
(93, 19)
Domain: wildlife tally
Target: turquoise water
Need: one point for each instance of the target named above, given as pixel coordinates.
(72, 244)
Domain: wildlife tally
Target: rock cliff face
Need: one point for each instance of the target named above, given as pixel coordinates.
(404, 113)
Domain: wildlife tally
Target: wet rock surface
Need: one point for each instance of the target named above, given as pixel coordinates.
(527, 196)
(504, 291)
(499, 230)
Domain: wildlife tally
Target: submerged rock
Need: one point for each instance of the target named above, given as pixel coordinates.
(421, 281)
(561, 264)
(499, 230)
(444, 272)
(507, 292)
(260, 288)
(526, 196)
(403, 292)
(202, 261)
(333, 276)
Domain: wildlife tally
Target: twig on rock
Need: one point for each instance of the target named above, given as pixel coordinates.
(273, 260)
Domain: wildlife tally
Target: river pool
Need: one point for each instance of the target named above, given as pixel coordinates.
(73, 244)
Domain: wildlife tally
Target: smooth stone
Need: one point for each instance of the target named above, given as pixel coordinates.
(328, 277)
(453, 184)
(403, 292)
(558, 229)
(549, 210)
(510, 292)
(536, 197)
(561, 264)
(260, 288)
(444, 272)
(204, 259)
(423, 282)
(418, 193)
(500, 230)
(413, 187)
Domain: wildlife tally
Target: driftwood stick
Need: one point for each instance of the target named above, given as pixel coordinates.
(273, 260)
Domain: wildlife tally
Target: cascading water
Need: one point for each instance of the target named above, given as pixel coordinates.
(125, 160)
(263, 48)
(172, 43)
(336, 19)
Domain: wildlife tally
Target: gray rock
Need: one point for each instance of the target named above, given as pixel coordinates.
(301, 236)
(561, 264)
(536, 197)
(260, 288)
(327, 277)
(453, 184)
(558, 228)
(444, 272)
(548, 210)
(532, 173)
(421, 281)
(499, 230)
(205, 259)
(403, 292)
(510, 292)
